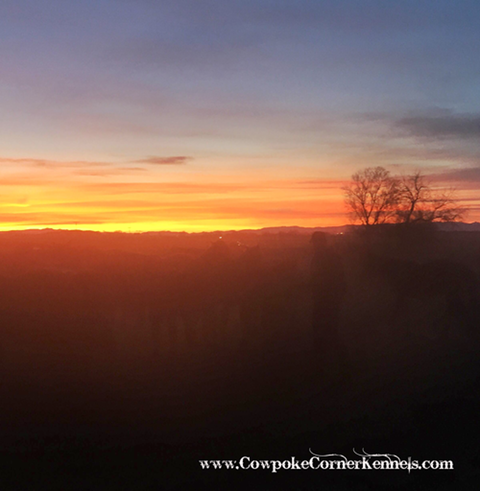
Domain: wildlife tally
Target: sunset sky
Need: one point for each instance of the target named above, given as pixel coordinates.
(192, 115)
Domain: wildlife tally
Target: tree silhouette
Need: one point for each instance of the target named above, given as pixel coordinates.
(374, 197)
(420, 202)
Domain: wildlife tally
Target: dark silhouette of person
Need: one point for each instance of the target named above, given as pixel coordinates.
(328, 291)
(251, 288)
(444, 279)
(211, 290)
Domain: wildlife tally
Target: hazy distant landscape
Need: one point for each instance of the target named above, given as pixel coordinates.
(126, 355)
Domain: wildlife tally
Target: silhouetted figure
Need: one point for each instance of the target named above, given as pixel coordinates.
(251, 289)
(278, 300)
(328, 291)
(209, 292)
(453, 283)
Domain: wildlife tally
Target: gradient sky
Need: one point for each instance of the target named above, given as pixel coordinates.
(201, 115)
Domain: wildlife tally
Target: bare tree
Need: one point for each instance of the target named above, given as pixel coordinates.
(420, 202)
(375, 197)
(372, 196)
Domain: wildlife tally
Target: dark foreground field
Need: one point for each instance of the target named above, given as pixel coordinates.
(127, 359)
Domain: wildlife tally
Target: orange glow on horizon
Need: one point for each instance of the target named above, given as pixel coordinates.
(35, 202)
(123, 200)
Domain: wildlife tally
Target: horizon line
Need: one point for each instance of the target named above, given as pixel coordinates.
(144, 232)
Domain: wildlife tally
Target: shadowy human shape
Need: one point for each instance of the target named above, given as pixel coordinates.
(250, 280)
(328, 287)
(453, 283)
(206, 294)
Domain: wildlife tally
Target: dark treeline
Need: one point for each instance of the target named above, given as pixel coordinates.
(126, 358)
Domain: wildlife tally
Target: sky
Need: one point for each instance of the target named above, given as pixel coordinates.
(139, 115)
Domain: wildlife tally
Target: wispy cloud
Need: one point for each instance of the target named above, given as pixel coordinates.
(27, 161)
(445, 125)
(169, 188)
(117, 171)
(465, 175)
(90, 168)
(155, 160)
(52, 163)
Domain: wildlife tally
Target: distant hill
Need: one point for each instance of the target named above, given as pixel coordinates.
(459, 227)
(298, 230)
(444, 227)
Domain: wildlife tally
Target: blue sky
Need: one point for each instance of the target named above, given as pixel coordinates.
(250, 90)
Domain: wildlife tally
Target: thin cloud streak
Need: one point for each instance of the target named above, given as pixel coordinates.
(176, 160)
(443, 126)
(92, 168)
(468, 177)
(52, 163)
